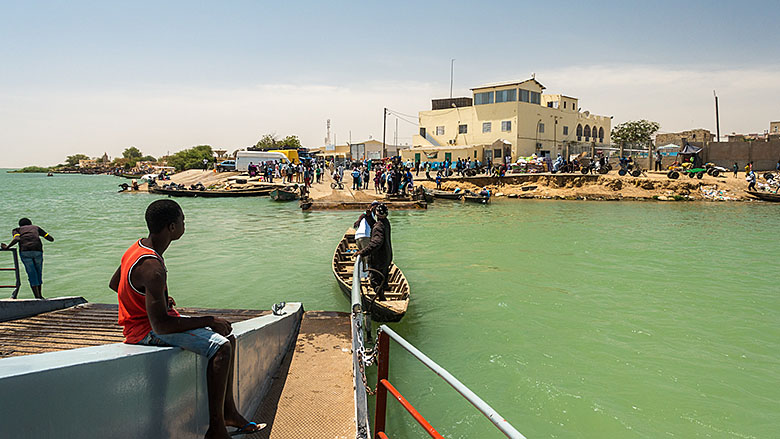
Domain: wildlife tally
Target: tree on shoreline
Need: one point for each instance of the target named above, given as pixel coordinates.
(191, 158)
(73, 160)
(637, 133)
(271, 141)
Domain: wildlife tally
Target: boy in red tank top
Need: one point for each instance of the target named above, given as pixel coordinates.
(147, 314)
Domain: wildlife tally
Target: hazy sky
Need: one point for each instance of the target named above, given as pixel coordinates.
(95, 77)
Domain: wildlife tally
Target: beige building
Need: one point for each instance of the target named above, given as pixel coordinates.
(90, 163)
(697, 135)
(508, 119)
(365, 150)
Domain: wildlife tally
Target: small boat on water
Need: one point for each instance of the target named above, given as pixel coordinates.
(766, 196)
(248, 192)
(447, 195)
(474, 198)
(131, 176)
(390, 310)
(282, 194)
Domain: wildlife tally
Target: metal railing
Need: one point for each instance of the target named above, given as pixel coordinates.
(383, 386)
(358, 355)
(15, 269)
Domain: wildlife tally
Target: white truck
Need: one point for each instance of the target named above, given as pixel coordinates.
(243, 158)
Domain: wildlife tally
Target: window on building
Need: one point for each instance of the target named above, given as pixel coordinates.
(524, 96)
(541, 127)
(506, 95)
(536, 98)
(579, 132)
(483, 98)
(564, 105)
(497, 153)
(440, 130)
(550, 104)
(422, 132)
(601, 135)
(506, 125)
(463, 129)
(565, 130)
(487, 127)
(587, 132)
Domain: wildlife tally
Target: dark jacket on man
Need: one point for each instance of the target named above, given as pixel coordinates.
(380, 248)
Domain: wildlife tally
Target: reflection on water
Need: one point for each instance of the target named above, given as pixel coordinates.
(573, 319)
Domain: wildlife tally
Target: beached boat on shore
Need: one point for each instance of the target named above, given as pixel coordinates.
(390, 310)
(248, 192)
(282, 194)
(766, 196)
(360, 205)
(447, 195)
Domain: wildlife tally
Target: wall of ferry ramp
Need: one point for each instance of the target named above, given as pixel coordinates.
(129, 391)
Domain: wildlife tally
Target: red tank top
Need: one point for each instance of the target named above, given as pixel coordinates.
(132, 302)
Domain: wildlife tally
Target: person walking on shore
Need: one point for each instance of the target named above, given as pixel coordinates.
(148, 316)
(751, 178)
(658, 159)
(735, 168)
(31, 252)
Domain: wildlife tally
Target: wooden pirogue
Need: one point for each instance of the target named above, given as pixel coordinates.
(766, 196)
(360, 205)
(248, 192)
(397, 294)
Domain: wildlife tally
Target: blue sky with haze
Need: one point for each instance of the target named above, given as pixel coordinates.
(96, 77)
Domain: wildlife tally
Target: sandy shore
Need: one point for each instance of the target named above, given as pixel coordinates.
(649, 186)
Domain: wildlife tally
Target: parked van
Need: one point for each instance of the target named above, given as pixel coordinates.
(243, 158)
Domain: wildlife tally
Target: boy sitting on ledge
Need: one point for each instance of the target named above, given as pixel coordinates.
(149, 318)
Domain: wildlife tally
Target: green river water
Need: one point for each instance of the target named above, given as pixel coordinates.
(572, 319)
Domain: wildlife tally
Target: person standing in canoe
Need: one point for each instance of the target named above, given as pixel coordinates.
(379, 251)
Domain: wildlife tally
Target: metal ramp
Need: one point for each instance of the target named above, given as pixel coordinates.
(312, 393)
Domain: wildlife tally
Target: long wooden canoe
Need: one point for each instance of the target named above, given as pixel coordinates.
(766, 196)
(447, 195)
(360, 205)
(390, 310)
(253, 192)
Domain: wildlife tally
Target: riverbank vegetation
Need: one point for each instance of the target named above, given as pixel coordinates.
(31, 169)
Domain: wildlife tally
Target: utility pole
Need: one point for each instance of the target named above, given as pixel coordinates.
(452, 70)
(384, 131)
(717, 118)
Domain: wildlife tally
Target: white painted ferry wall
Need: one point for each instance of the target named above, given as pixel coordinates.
(129, 391)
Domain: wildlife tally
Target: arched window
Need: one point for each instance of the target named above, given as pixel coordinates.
(579, 132)
(587, 132)
(601, 135)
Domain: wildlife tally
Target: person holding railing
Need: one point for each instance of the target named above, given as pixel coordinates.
(31, 252)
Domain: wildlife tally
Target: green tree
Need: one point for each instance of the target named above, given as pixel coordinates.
(191, 158)
(147, 158)
(637, 133)
(268, 141)
(132, 153)
(290, 142)
(73, 160)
